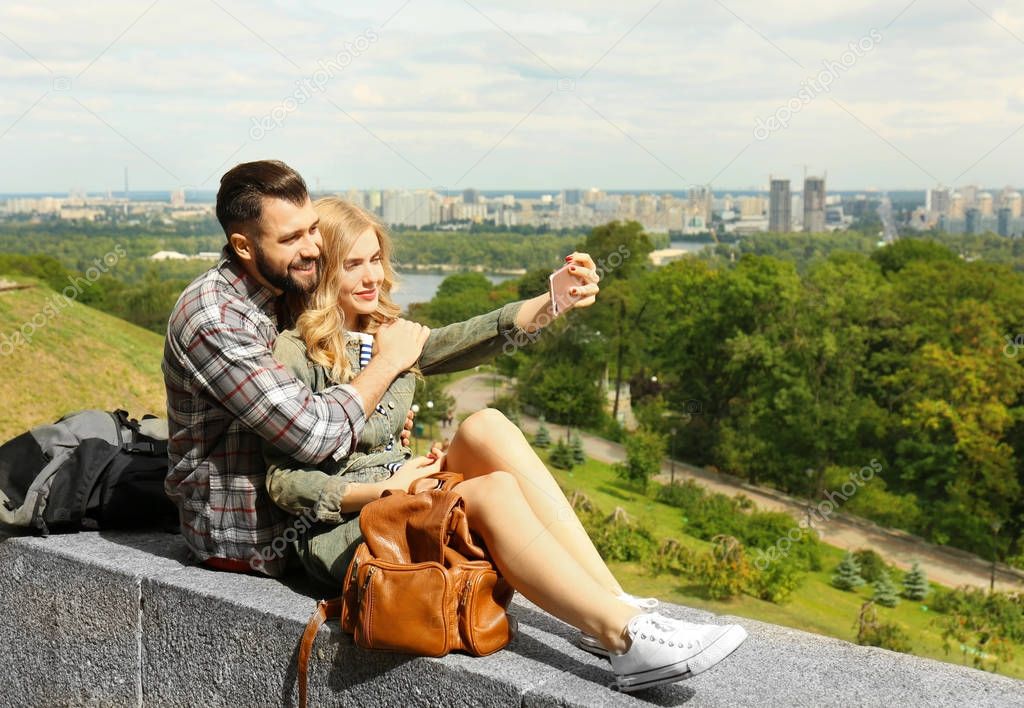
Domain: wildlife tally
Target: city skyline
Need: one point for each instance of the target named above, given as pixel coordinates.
(969, 208)
(448, 95)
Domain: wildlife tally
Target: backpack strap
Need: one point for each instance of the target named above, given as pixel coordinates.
(325, 610)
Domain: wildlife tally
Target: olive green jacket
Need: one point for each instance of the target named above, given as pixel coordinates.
(302, 490)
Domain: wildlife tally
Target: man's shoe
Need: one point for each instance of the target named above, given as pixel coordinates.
(588, 642)
(664, 650)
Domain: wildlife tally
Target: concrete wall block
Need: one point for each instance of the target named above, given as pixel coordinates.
(70, 629)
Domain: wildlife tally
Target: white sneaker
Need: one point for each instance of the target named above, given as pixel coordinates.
(664, 650)
(588, 642)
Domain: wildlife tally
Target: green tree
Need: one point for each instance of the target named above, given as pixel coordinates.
(645, 449)
(578, 456)
(543, 437)
(431, 389)
(462, 296)
(885, 591)
(561, 456)
(619, 249)
(915, 584)
(894, 257)
(847, 574)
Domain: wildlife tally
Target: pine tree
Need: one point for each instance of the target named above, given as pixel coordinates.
(915, 584)
(885, 591)
(561, 456)
(543, 437)
(847, 575)
(578, 458)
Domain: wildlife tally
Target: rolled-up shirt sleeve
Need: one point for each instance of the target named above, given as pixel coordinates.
(301, 491)
(463, 345)
(235, 367)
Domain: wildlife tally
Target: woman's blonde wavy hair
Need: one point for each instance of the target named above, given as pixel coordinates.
(322, 325)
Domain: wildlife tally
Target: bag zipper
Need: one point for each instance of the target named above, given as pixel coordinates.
(364, 612)
(464, 621)
(366, 583)
(464, 597)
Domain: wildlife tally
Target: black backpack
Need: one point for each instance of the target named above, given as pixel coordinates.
(90, 469)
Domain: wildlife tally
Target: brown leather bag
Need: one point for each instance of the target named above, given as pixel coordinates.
(419, 583)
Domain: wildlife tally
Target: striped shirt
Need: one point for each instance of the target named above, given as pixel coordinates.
(365, 348)
(226, 393)
(365, 354)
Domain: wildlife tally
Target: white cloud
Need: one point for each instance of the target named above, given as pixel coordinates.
(443, 85)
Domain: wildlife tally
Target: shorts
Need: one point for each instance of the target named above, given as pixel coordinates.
(325, 551)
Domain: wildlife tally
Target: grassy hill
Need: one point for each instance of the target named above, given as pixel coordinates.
(77, 357)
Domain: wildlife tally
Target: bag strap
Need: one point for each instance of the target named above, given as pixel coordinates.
(325, 610)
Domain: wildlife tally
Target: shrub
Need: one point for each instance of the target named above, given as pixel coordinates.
(671, 556)
(871, 564)
(618, 538)
(1002, 612)
(724, 571)
(872, 632)
(767, 529)
(777, 581)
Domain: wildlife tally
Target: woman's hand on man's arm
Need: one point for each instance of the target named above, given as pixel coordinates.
(399, 345)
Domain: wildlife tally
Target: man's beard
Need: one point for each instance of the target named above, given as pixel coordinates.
(283, 280)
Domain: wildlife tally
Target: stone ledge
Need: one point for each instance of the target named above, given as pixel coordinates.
(123, 619)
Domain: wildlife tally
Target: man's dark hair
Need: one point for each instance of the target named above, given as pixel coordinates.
(242, 188)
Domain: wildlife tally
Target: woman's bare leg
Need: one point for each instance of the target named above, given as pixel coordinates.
(487, 441)
(536, 564)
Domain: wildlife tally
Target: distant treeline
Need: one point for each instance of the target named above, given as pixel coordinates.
(143, 291)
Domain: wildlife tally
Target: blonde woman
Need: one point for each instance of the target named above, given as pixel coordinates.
(512, 502)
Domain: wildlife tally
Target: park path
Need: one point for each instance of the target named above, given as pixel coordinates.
(946, 566)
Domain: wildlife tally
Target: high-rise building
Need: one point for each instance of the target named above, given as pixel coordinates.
(177, 198)
(938, 201)
(572, 196)
(418, 208)
(779, 205)
(700, 202)
(751, 207)
(973, 217)
(814, 204)
(985, 204)
(1013, 202)
(1005, 217)
(957, 206)
(470, 196)
(970, 194)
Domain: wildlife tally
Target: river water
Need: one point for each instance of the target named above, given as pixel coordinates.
(421, 287)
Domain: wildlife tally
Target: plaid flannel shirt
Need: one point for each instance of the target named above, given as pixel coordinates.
(225, 394)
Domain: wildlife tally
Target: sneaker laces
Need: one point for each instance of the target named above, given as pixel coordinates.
(640, 625)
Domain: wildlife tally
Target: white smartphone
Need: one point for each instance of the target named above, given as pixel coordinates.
(561, 284)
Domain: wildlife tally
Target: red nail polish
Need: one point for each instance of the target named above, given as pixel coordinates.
(568, 258)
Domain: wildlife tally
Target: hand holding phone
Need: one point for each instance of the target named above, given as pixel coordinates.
(562, 283)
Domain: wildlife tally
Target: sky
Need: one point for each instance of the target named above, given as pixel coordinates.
(513, 95)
